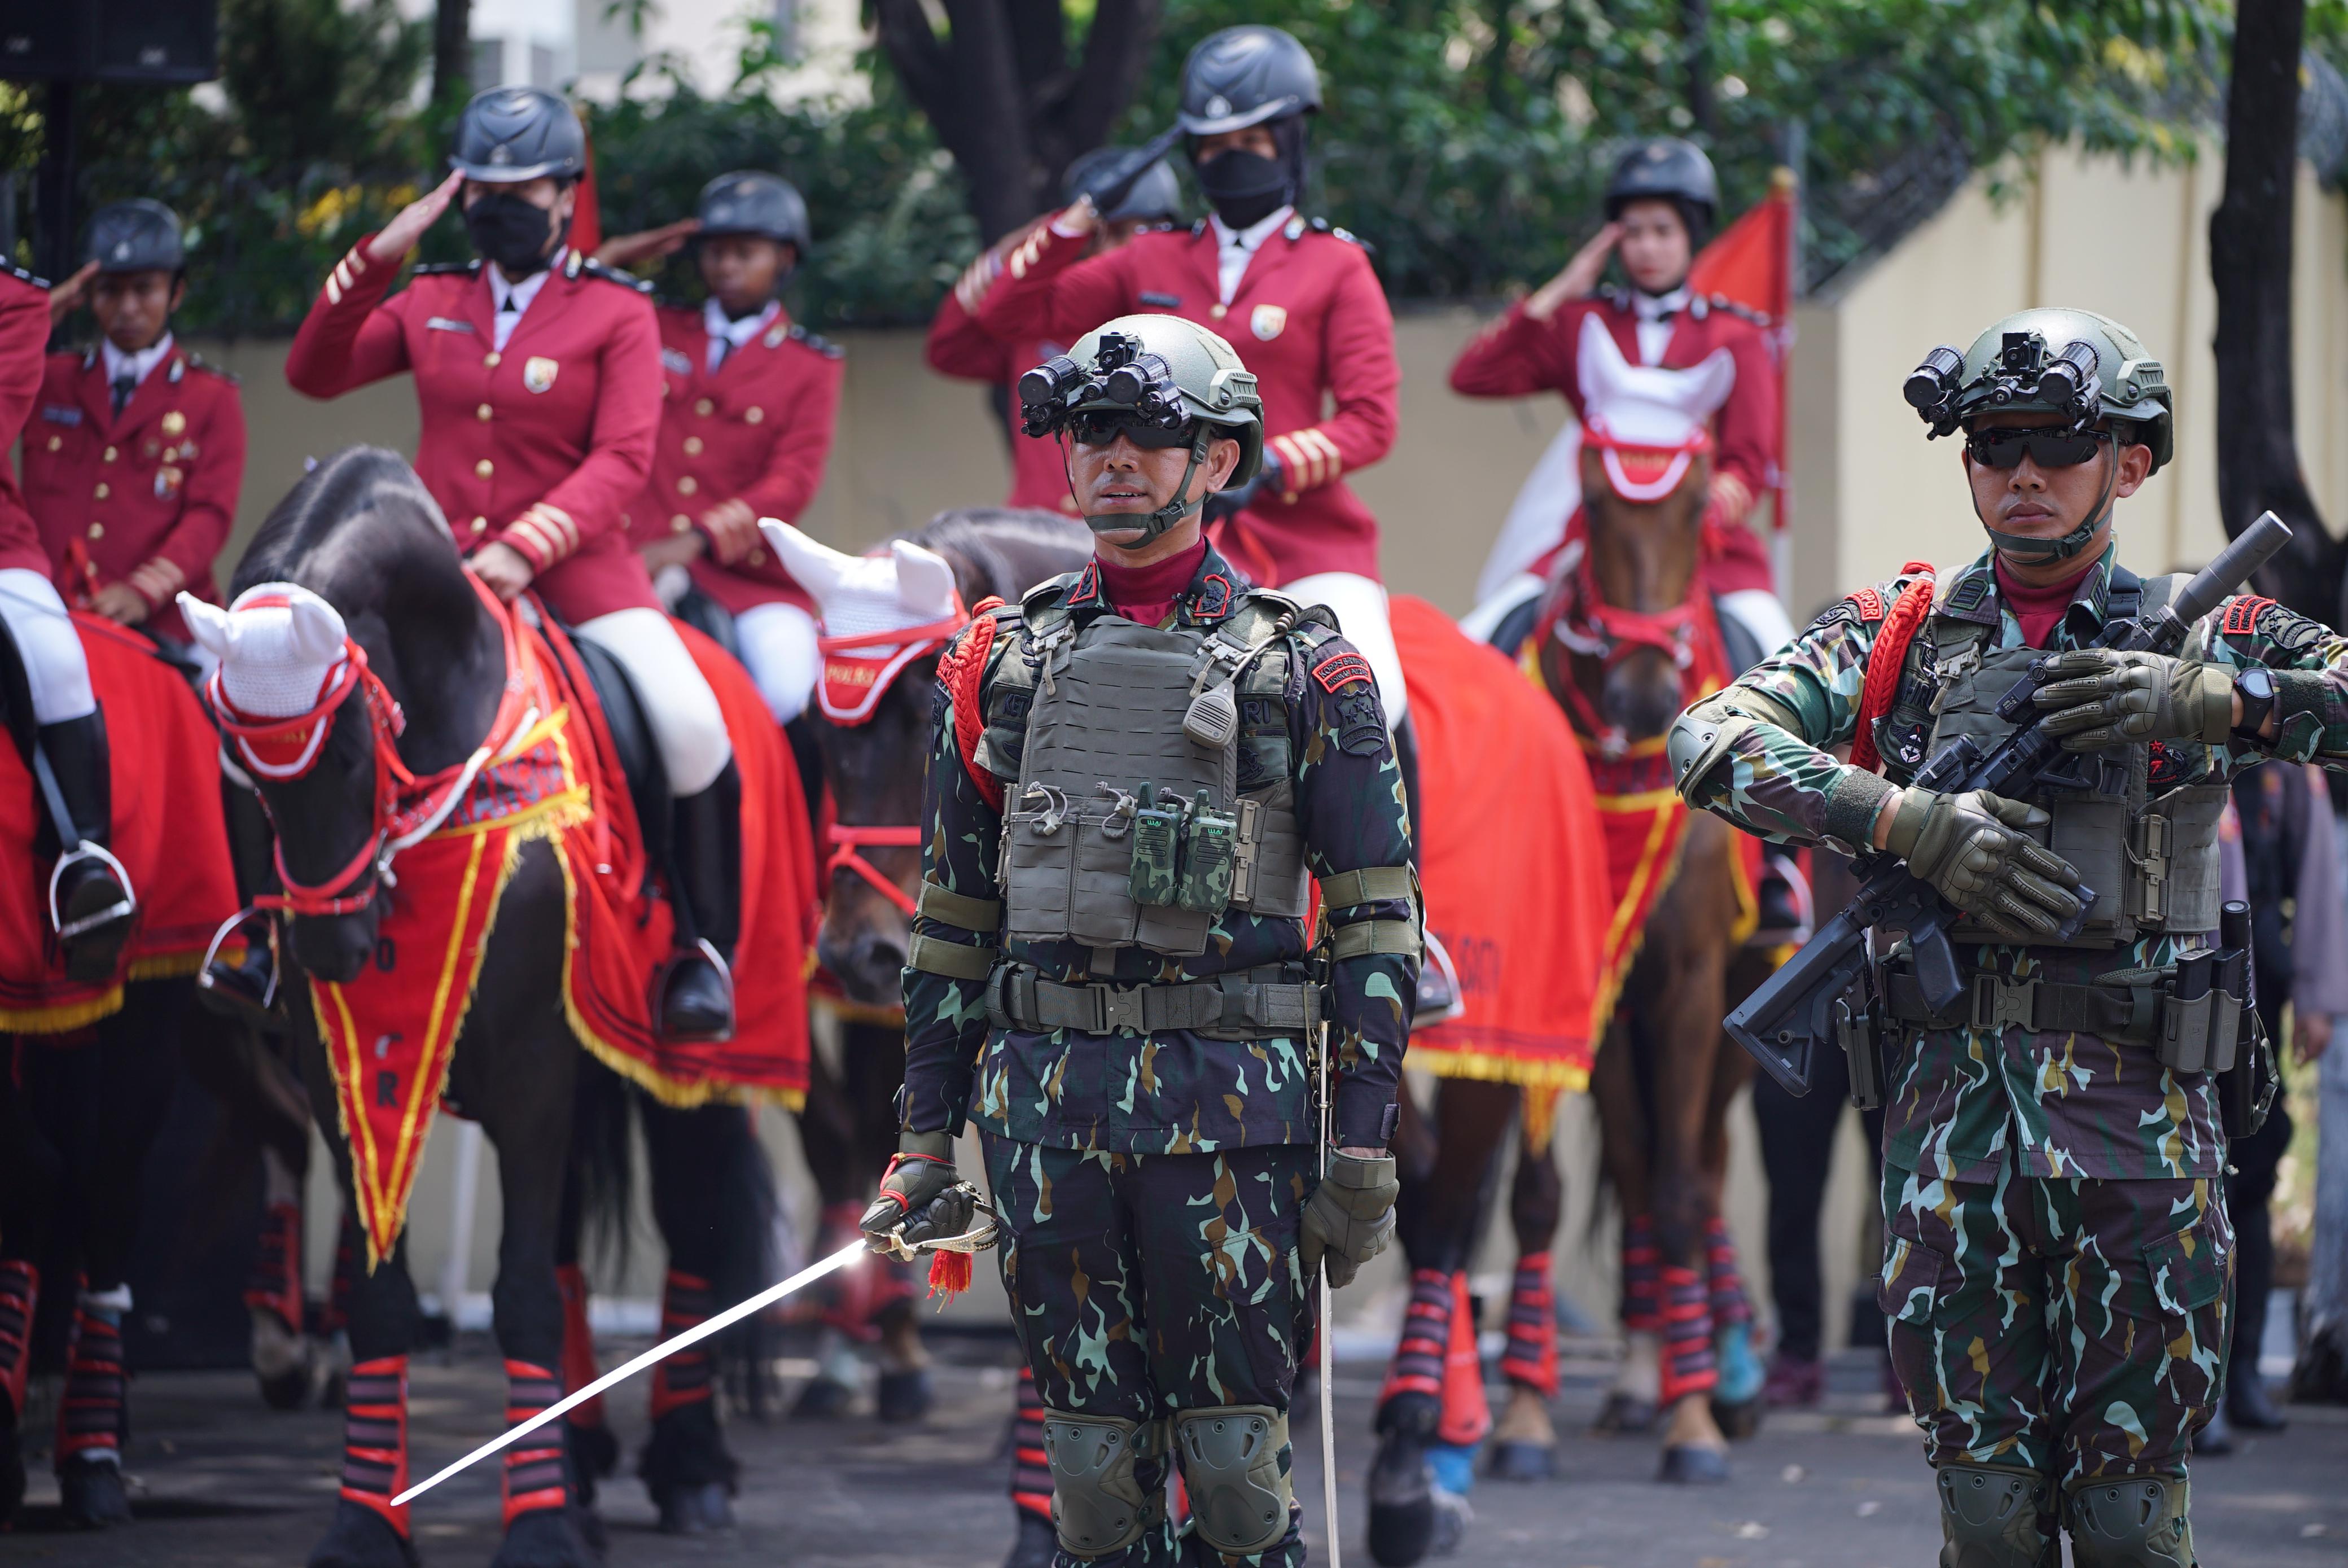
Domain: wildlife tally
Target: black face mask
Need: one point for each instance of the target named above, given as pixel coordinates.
(512, 232)
(1245, 188)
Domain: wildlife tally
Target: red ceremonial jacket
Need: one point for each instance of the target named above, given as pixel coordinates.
(539, 447)
(149, 496)
(1308, 318)
(758, 430)
(1517, 356)
(960, 347)
(24, 342)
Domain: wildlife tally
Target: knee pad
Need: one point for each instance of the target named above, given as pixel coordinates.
(1231, 1459)
(1098, 1505)
(2131, 1521)
(1989, 1517)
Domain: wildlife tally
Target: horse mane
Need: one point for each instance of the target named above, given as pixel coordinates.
(338, 488)
(1007, 549)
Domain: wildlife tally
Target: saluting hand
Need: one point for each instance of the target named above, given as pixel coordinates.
(1579, 277)
(399, 237)
(651, 245)
(70, 292)
(503, 570)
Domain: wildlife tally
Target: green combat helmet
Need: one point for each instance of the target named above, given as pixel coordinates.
(1162, 381)
(2086, 368)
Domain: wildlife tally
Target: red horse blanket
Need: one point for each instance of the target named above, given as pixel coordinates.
(1512, 857)
(168, 832)
(391, 1033)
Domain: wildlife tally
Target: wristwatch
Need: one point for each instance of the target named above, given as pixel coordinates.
(2256, 687)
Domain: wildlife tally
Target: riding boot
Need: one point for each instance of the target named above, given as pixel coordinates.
(246, 990)
(697, 1000)
(92, 899)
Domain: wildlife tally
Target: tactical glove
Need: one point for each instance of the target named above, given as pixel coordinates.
(1974, 850)
(922, 1190)
(2101, 696)
(1349, 1216)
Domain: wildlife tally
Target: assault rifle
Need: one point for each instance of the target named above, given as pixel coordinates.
(1804, 1006)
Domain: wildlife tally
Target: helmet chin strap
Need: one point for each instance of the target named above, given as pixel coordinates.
(2028, 550)
(1154, 523)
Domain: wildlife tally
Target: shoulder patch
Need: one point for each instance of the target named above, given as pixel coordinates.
(1341, 668)
(1869, 604)
(1361, 725)
(628, 281)
(1969, 595)
(816, 340)
(445, 269)
(2242, 614)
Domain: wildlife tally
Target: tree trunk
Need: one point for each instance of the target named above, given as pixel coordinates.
(2249, 263)
(452, 52)
(1695, 35)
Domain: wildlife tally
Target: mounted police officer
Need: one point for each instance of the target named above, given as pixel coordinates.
(1134, 774)
(2058, 1258)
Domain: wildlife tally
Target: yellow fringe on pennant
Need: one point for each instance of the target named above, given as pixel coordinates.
(63, 1017)
(1573, 1078)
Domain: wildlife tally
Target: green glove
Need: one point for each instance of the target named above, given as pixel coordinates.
(2101, 696)
(1974, 850)
(1349, 1216)
(922, 1190)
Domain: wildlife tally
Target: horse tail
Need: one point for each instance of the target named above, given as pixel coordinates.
(603, 1162)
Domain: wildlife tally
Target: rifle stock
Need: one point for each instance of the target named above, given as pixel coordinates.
(1789, 1017)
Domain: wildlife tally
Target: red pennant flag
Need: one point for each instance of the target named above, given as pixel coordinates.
(587, 215)
(1752, 263)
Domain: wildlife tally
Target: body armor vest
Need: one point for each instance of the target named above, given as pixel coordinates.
(2152, 860)
(1123, 826)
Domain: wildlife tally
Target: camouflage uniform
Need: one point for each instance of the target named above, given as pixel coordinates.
(2057, 1264)
(1150, 1182)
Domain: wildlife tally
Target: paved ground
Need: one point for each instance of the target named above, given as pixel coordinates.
(224, 1483)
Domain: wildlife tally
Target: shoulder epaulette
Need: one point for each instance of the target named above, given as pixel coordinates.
(436, 269)
(198, 361)
(1735, 308)
(1615, 295)
(1322, 226)
(1198, 228)
(22, 275)
(817, 341)
(609, 275)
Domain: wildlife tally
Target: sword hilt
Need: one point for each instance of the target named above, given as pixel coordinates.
(977, 1239)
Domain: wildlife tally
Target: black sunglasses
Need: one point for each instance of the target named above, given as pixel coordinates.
(1101, 428)
(2048, 448)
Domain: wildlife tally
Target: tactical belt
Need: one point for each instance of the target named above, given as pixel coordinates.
(2129, 1014)
(1254, 1003)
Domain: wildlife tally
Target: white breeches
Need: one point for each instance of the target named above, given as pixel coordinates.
(55, 666)
(1758, 612)
(1361, 606)
(678, 703)
(778, 644)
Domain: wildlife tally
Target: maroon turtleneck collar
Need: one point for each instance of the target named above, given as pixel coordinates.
(2039, 609)
(1147, 593)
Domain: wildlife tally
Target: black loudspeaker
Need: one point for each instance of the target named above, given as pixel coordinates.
(168, 41)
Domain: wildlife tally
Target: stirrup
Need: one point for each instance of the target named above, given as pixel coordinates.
(667, 971)
(123, 909)
(1438, 1006)
(227, 999)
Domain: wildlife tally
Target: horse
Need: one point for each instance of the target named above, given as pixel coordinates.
(363, 596)
(1624, 637)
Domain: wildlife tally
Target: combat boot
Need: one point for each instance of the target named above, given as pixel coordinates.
(2132, 1521)
(1990, 1518)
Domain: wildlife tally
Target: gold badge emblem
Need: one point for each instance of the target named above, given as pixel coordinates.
(538, 373)
(1268, 321)
(174, 422)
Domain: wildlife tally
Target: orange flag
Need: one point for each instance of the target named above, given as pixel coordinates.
(587, 214)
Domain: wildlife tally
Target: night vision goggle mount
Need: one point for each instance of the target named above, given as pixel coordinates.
(1125, 376)
(2023, 373)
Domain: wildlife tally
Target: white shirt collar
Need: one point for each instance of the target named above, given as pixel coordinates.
(1654, 307)
(1233, 247)
(525, 291)
(138, 365)
(738, 332)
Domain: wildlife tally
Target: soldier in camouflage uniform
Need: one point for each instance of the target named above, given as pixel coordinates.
(1135, 772)
(2058, 1258)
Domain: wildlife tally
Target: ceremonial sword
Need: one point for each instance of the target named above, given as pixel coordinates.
(978, 1238)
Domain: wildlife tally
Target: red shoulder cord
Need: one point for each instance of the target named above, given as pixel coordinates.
(960, 668)
(1887, 657)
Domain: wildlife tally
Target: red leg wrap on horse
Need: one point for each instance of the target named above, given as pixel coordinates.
(1031, 1468)
(683, 1378)
(1642, 1294)
(89, 1413)
(20, 1293)
(534, 1477)
(1426, 1338)
(1688, 1366)
(1726, 1285)
(375, 1438)
(1466, 1415)
(579, 1368)
(276, 1282)
(1530, 1359)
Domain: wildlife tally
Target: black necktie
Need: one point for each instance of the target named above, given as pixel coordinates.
(124, 386)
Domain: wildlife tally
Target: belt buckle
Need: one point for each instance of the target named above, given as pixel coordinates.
(1118, 1010)
(1998, 1002)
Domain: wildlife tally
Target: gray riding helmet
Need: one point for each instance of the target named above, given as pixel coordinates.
(507, 134)
(1668, 168)
(1245, 75)
(1154, 199)
(752, 201)
(135, 236)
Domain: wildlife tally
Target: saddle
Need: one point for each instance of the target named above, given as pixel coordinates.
(632, 740)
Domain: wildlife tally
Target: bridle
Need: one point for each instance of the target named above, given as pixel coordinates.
(404, 807)
(846, 840)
